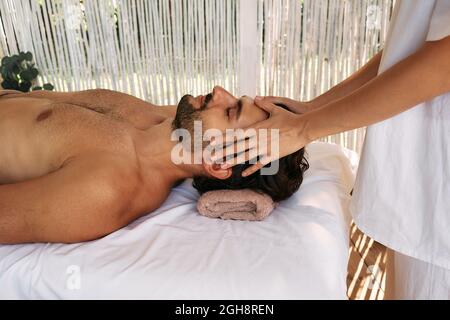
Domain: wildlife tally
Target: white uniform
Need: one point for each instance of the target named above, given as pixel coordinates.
(402, 191)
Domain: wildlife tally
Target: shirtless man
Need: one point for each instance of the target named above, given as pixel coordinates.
(77, 166)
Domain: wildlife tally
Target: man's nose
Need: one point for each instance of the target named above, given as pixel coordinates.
(218, 91)
(222, 96)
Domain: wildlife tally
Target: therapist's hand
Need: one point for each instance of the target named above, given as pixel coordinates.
(295, 106)
(290, 139)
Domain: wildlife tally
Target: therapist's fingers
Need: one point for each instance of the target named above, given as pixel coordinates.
(248, 155)
(228, 151)
(254, 155)
(257, 166)
(234, 140)
(290, 104)
(266, 105)
(277, 100)
(241, 151)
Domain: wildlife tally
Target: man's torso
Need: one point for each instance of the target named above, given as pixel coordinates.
(40, 132)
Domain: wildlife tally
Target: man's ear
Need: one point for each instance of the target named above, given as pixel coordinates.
(216, 171)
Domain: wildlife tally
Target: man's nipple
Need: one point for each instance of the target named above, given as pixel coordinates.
(44, 115)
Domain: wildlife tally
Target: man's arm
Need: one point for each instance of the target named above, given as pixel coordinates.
(81, 201)
(416, 79)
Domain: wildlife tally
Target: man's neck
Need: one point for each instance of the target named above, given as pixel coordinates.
(153, 150)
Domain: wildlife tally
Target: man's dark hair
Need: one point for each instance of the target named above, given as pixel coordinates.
(279, 186)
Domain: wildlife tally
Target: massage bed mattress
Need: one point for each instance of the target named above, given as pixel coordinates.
(300, 251)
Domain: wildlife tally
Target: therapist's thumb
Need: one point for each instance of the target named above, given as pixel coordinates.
(265, 105)
(276, 100)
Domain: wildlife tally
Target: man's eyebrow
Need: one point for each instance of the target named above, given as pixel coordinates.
(239, 109)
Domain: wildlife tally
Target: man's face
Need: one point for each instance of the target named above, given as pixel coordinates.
(221, 110)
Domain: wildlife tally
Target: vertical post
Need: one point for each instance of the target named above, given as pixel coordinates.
(248, 47)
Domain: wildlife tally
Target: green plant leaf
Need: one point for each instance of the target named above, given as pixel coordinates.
(25, 86)
(4, 72)
(8, 75)
(19, 72)
(21, 56)
(28, 56)
(14, 59)
(26, 75)
(10, 84)
(15, 69)
(34, 72)
(48, 86)
(6, 60)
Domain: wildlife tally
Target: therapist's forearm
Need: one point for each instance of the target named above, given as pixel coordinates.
(352, 83)
(418, 78)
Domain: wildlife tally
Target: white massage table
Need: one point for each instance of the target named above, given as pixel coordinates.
(299, 252)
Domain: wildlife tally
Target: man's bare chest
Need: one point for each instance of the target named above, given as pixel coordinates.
(39, 135)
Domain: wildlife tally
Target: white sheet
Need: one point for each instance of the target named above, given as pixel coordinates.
(299, 252)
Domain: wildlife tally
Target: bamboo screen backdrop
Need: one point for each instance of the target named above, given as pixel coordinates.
(159, 50)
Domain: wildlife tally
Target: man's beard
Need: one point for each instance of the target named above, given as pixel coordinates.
(187, 114)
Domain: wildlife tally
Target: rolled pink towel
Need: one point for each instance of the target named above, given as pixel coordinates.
(242, 204)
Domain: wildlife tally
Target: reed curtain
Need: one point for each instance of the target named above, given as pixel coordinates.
(159, 50)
